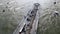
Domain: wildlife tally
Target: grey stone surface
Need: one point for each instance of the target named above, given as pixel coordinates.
(12, 11)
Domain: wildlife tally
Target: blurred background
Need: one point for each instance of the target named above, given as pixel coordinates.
(12, 12)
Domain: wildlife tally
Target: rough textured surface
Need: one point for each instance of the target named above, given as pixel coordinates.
(9, 18)
(11, 14)
(12, 11)
(48, 22)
